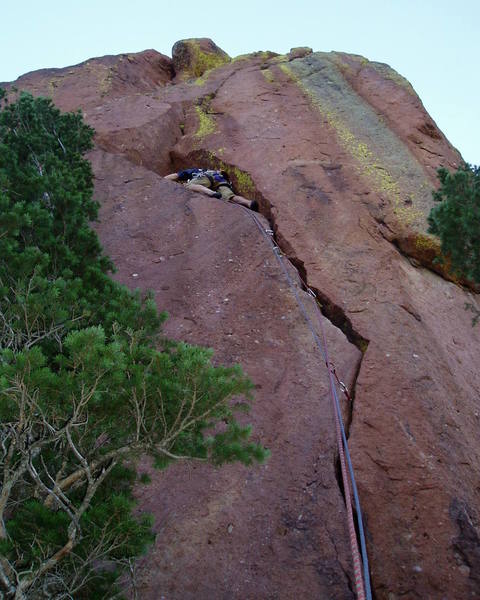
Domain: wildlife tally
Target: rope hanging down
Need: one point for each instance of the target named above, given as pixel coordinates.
(362, 582)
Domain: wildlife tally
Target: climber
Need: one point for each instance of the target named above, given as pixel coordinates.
(211, 183)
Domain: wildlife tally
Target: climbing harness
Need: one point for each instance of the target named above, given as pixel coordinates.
(214, 177)
(362, 581)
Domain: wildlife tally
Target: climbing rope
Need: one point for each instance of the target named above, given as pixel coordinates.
(362, 582)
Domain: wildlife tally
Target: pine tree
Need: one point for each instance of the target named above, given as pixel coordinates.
(87, 382)
(456, 219)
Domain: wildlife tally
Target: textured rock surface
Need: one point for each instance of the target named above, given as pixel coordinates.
(341, 156)
(191, 58)
(98, 80)
(263, 530)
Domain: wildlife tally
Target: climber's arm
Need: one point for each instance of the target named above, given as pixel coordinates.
(196, 187)
(172, 177)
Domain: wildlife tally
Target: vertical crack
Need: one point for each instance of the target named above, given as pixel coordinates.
(329, 309)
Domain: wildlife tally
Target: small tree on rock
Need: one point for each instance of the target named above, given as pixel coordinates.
(456, 221)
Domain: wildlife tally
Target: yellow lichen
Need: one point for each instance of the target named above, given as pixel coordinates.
(286, 69)
(428, 250)
(388, 73)
(260, 54)
(215, 162)
(241, 57)
(201, 61)
(202, 80)
(425, 242)
(342, 65)
(362, 345)
(368, 164)
(281, 58)
(206, 124)
(268, 75)
(358, 58)
(241, 179)
(52, 84)
(106, 80)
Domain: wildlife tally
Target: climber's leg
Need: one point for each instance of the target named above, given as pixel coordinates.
(241, 200)
(230, 196)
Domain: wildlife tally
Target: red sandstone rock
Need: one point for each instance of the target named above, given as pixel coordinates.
(341, 155)
(262, 530)
(98, 80)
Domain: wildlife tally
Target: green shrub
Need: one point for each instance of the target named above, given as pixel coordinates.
(456, 219)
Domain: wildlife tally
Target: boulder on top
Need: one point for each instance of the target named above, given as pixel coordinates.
(192, 57)
(299, 52)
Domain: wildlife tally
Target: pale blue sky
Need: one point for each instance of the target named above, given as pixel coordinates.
(433, 43)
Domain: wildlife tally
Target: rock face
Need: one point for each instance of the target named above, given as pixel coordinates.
(341, 156)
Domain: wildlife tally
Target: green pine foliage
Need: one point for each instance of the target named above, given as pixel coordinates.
(456, 219)
(53, 262)
(87, 382)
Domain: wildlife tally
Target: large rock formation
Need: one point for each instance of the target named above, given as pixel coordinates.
(341, 155)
